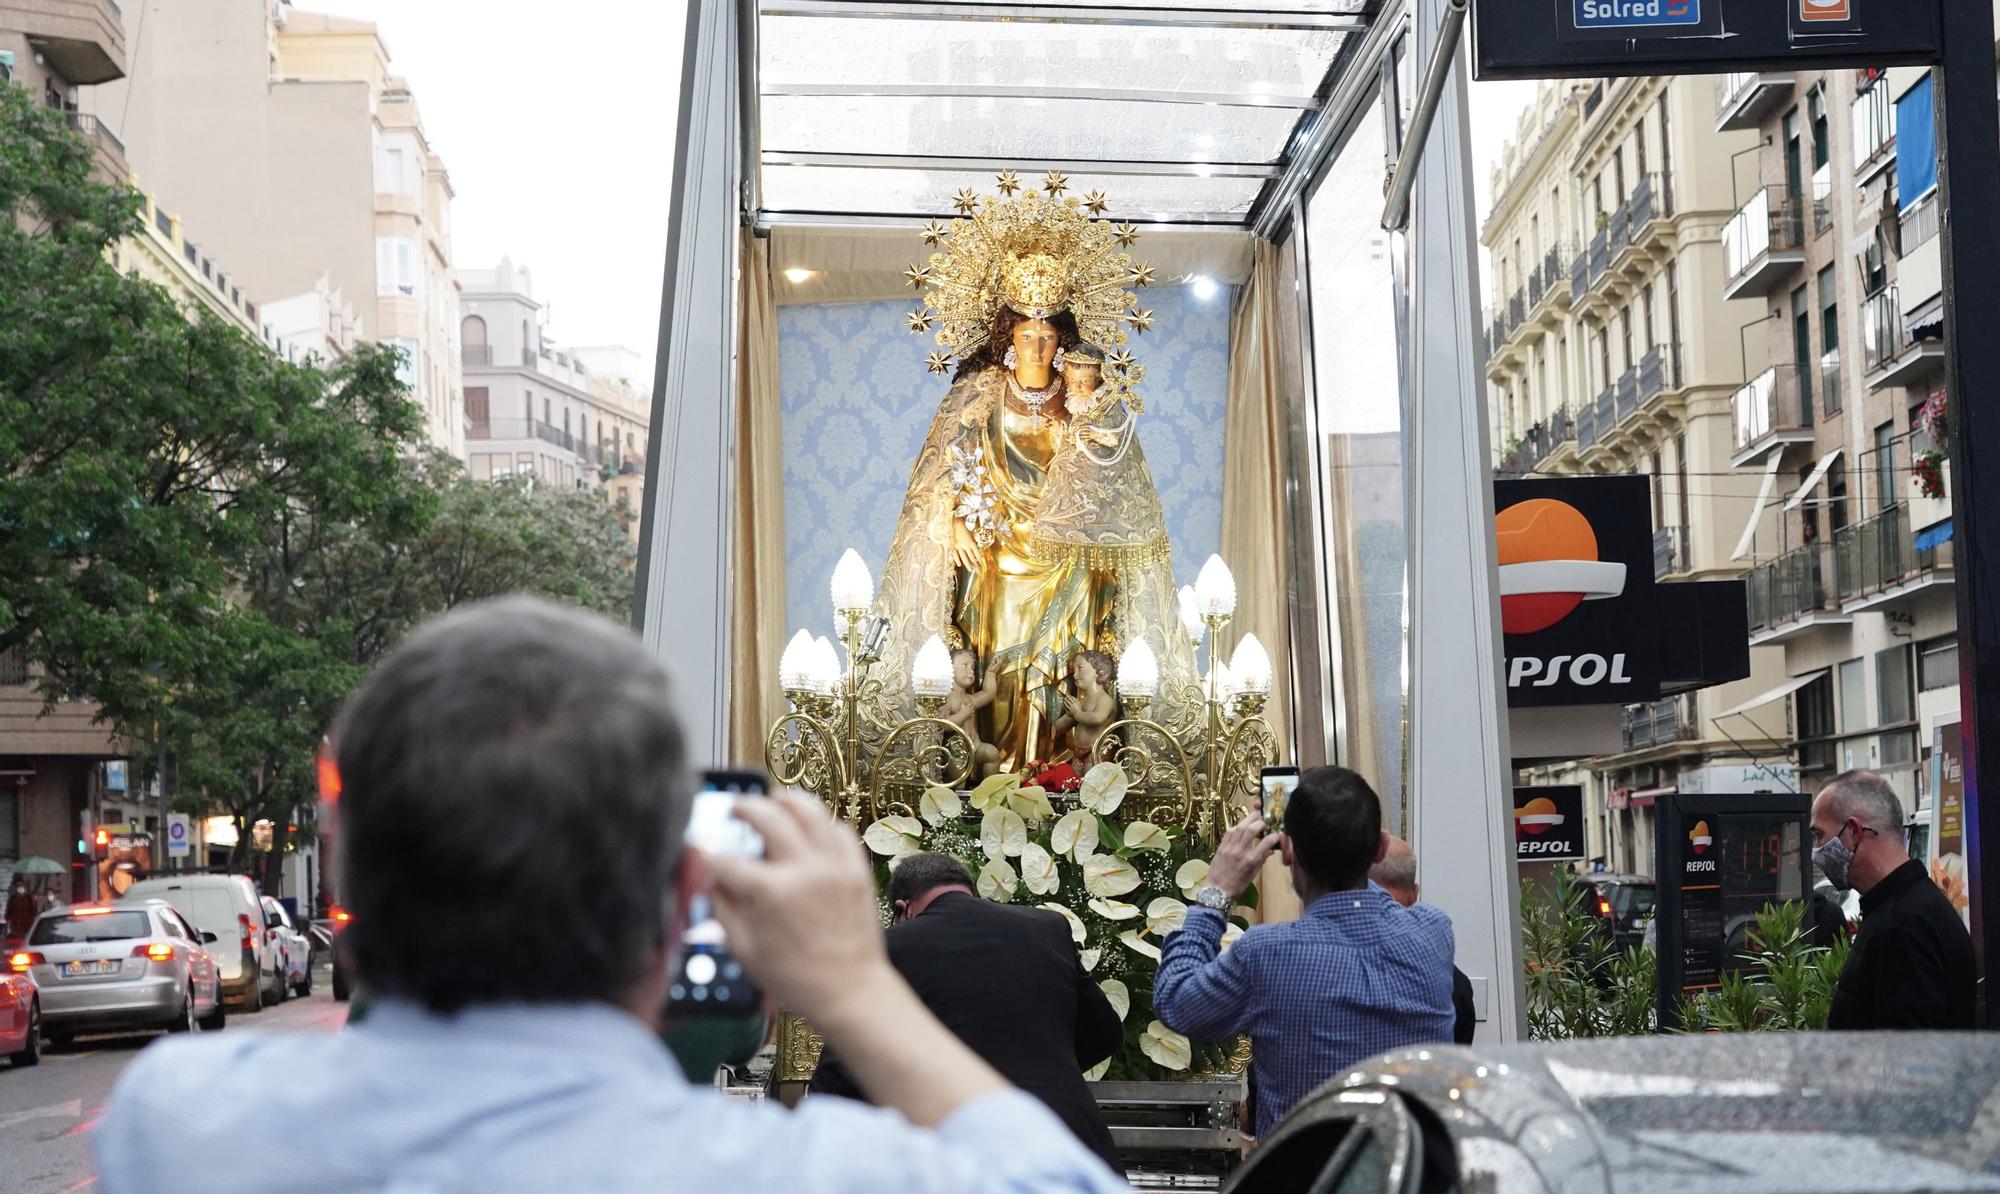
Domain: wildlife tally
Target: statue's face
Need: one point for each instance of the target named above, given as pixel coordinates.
(1082, 377)
(1035, 341)
(1084, 675)
(961, 668)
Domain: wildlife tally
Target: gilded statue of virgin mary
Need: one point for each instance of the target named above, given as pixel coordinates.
(1031, 530)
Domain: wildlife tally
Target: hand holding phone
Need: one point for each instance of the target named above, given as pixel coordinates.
(710, 981)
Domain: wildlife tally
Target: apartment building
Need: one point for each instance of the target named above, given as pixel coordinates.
(536, 408)
(1836, 241)
(288, 139)
(1611, 350)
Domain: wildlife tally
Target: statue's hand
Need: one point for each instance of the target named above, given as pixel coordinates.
(1102, 437)
(964, 548)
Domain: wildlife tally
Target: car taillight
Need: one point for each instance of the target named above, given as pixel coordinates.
(21, 960)
(1603, 906)
(249, 934)
(341, 916)
(158, 951)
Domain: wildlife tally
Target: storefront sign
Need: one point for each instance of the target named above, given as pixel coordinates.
(1740, 779)
(1635, 14)
(180, 835)
(1548, 824)
(1719, 860)
(1948, 782)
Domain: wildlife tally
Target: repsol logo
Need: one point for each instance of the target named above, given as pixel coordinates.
(1700, 866)
(1558, 846)
(1583, 671)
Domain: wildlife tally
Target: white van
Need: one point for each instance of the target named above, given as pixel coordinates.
(228, 906)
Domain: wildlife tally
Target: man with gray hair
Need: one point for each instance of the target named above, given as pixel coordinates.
(1397, 875)
(1912, 965)
(514, 789)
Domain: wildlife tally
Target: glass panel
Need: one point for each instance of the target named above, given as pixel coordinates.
(929, 192)
(1894, 688)
(869, 50)
(1064, 129)
(1359, 408)
(1853, 697)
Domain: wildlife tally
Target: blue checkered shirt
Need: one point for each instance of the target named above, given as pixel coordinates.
(1355, 975)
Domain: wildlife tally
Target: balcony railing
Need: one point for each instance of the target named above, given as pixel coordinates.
(1627, 398)
(477, 355)
(1822, 199)
(1619, 231)
(1652, 199)
(1772, 222)
(1790, 587)
(1659, 370)
(1671, 553)
(528, 358)
(1741, 98)
(1600, 255)
(1878, 553)
(1874, 127)
(1767, 407)
(1658, 723)
(521, 429)
(92, 127)
(1830, 390)
(1919, 223)
(1537, 442)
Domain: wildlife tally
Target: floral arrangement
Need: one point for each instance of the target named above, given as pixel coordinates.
(1120, 885)
(1933, 419)
(1928, 469)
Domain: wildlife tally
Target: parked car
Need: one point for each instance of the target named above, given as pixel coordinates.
(136, 963)
(228, 906)
(294, 947)
(1623, 904)
(1773, 1113)
(343, 984)
(20, 1018)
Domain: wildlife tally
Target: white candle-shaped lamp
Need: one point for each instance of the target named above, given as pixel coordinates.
(1139, 671)
(853, 587)
(1215, 589)
(930, 674)
(1251, 666)
(826, 666)
(1225, 683)
(1190, 614)
(797, 670)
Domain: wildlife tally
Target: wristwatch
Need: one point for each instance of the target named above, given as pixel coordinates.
(1208, 895)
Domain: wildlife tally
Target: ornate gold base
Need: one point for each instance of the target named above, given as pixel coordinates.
(798, 1049)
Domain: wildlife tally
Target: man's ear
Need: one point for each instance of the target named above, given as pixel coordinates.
(1285, 848)
(1381, 847)
(691, 878)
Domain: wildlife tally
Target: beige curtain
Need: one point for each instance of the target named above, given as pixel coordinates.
(1253, 513)
(757, 583)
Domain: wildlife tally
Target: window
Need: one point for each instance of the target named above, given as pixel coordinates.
(398, 269)
(406, 366)
(392, 171)
(1659, 479)
(1813, 709)
(1822, 148)
(1673, 299)
(1666, 139)
(1681, 479)
(1836, 495)
(1625, 336)
(1875, 263)
(1937, 663)
(1802, 350)
(1894, 687)
(547, 412)
(1795, 176)
(1829, 312)
(1646, 316)
(1603, 359)
(1885, 466)
(1853, 697)
(1874, 122)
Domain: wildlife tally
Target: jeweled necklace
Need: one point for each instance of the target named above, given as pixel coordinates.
(1034, 400)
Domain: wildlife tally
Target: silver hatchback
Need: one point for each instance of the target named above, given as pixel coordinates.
(136, 964)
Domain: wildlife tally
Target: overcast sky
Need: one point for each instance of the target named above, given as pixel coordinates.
(557, 124)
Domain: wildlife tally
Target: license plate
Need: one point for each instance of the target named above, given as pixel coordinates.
(75, 969)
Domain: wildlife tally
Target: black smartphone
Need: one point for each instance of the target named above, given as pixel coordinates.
(1276, 785)
(709, 981)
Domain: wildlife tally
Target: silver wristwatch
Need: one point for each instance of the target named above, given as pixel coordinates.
(1210, 896)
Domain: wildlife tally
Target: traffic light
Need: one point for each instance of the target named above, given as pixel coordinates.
(86, 827)
(103, 843)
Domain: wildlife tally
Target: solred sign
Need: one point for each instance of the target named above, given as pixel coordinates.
(1548, 824)
(1825, 10)
(1635, 14)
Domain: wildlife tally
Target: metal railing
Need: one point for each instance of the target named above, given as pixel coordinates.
(1586, 427)
(1657, 723)
(1766, 404)
(1600, 256)
(1627, 400)
(1878, 553)
(92, 127)
(1659, 370)
(1671, 553)
(1538, 442)
(477, 355)
(521, 429)
(1919, 223)
(1771, 222)
(1652, 199)
(1730, 87)
(1822, 199)
(1619, 231)
(1882, 335)
(1874, 124)
(1579, 275)
(1787, 588)
(1830, 389)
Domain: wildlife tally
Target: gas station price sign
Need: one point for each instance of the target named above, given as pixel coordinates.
(1720, 860)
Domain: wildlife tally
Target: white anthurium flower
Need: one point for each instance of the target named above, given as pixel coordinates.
(1144, 835)
(1107, 875)
(1119, 994)
(1165, 915)
(1076, 929)
(1075, 834)
(893, 837)
(1103, 788)
(1002, 833)
(1090, 958)
(1038, 870)
(1168, 1049)
(1139, 945)
(1032, 804)
(939, 805)
(1114, 909)
(997, 881)
(1193, 873)
(1097, 1071)
(1230, 934)
(992, 792)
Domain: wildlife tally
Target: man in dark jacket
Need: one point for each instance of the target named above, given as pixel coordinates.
(1397, 875)
(1008, 982)
(1911, 966)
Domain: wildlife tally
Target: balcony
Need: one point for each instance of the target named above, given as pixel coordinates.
(1555, 275)
(1658, 723)
(1743, 100)
(1890, 356)
(1625, 401)
(83, 40)
(1877, 563)
(1672, 555)
(1769, 412)
(1652, 202)
(1659, 372)
(1789, 595)
(1537, 443)
(535, 429)
(475, 356)
(1591, 262)
(1763, 243)
(1874, 114)
(1830, 389)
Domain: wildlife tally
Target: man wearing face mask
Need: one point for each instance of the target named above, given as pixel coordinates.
(1911, 966)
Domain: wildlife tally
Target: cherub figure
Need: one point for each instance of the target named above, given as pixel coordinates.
(962, 707)
(1090, 706)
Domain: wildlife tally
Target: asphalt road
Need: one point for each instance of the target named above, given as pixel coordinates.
(46, 1113)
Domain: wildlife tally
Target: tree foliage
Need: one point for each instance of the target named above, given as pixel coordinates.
(210, 542)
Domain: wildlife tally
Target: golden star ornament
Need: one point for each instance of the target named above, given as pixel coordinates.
(937, 362)
(918, 276)
(1095, 203)
(935, 232)
(921, 321)
(1140, 319)
(1127, 234)
(1009, 183)
(1056, 183)
(965, 201)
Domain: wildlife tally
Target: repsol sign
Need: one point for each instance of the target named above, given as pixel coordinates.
(1583, 671)
(1701, 866)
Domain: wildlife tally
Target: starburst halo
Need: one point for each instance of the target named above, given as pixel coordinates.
(1028, 235)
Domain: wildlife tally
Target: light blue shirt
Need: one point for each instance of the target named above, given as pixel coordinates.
(531, 1098)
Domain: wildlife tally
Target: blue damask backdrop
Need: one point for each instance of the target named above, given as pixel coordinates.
(857, 400)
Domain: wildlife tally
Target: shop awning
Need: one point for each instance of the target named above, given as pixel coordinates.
(1763, 500)
(1931, 537)
(1812, 480)
(1764, 698)
(1647, 796)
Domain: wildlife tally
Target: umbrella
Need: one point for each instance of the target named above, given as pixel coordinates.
(39, 866)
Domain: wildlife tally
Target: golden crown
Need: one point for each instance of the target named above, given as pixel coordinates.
(1033, 251)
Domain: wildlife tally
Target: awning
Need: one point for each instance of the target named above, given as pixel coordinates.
(1764, 698)
(1930, 537)
(1812, 479)
(1763, 499)
(1646, 796)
